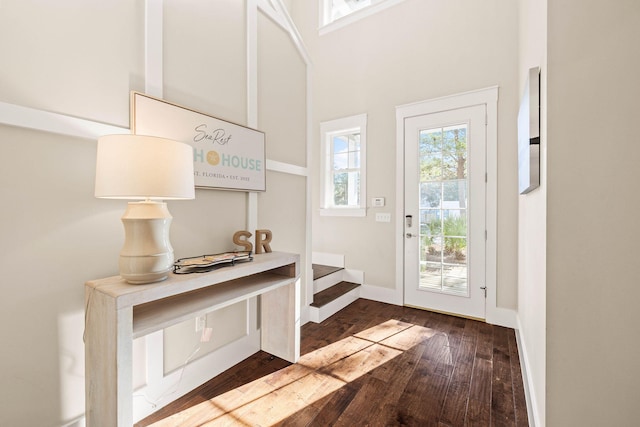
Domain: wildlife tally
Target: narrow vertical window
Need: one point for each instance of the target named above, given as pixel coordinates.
(343, 166)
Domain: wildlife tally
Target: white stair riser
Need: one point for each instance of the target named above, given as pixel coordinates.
(319, 314)
(353, 276)
(327, 281)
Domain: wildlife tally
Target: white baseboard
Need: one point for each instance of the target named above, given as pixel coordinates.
(496, 316)
(502, 317)
(529, 391)
(377, 293)
(152, 397)
(304, 315)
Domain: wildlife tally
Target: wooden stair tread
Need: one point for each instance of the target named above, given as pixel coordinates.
(336, 291)
(320, 270)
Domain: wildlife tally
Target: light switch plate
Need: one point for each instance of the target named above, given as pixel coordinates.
(383, 217)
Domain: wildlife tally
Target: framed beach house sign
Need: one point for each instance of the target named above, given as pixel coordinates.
(226, 155)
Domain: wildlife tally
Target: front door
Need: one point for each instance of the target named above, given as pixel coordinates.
(445, 188)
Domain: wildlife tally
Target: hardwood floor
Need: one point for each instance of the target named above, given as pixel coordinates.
(371, 364)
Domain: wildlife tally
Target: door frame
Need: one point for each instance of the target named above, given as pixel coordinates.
(489, 98)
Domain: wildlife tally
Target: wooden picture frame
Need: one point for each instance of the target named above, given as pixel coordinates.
(226, 155)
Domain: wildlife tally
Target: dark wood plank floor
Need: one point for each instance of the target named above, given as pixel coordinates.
(371, 364)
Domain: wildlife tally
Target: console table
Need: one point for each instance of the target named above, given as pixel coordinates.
(117, 313)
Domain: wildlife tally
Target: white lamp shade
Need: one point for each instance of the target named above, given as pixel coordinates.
(143, 167)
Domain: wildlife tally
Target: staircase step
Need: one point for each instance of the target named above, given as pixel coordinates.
(320, 270)
(336, 291)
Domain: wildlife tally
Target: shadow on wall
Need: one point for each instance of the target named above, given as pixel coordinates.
(55, 236)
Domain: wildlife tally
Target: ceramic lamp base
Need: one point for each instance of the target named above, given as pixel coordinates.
(147, 254)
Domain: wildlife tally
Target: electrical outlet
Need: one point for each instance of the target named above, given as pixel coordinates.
(206, 334)
(201, 321)
(383, 217)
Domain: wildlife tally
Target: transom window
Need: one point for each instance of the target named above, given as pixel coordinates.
(336, 13)
(340, 8)
(343, 166)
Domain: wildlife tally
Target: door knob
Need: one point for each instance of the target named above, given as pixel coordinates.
(409, 235)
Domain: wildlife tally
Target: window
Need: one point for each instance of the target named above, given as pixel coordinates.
(337, 13)
(339, 8)
(344, 166)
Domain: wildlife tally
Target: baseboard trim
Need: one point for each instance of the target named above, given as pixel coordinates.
(153, 397)
(377, 293)
(495, 315)
(529, 392)
(502, 317)
(304, 315)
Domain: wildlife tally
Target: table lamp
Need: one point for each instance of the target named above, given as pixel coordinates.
(149, 169)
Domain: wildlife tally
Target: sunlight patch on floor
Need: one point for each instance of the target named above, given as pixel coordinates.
(273, 398)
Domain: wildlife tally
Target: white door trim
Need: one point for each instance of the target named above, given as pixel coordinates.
(488, 97)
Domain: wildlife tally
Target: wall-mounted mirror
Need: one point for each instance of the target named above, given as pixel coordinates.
(529, 134)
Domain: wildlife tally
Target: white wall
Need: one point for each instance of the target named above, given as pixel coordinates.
(532, 220)
(282, 111)
(414, 51)
(195, 76)
(54, 234)
(592, 223)
(81, 59)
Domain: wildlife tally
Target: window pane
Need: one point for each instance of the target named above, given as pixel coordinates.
(452, 166)
(340, 144)
(340, 8)
(454, 279)
(455, 222)
(430, 141)
(454, 138)
(340, 161)
(430, 222)
(430, 194)
(354, 160)
(353, 189)
(455, 240)
(430, 275)
(340, 189)
(455, 152)
(455, 250)
(431, 167)
(354, 142)
(455, 194)
(433, 248)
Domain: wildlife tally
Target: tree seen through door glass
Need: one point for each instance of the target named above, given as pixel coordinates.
(443, 209)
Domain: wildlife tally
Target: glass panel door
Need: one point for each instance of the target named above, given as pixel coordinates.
(445, 188)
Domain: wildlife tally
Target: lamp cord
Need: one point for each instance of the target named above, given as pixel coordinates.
(169, 391)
